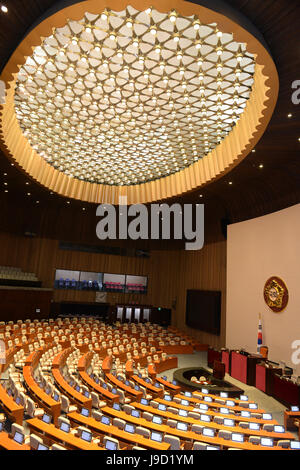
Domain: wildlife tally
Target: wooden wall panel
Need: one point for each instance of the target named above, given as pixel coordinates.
(170, 273)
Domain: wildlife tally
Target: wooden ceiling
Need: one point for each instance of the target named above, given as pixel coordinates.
(254, 191)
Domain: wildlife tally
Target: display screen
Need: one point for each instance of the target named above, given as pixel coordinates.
(203, 310)
(156, 436)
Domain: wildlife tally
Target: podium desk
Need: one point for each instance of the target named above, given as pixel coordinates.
(285, 391)
(243, 367)
(213, 355)
(264, 379)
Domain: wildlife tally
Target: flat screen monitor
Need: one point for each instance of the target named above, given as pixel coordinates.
(295, 408)
(212, 448)
(243, 398)
(187, 394)
(42, 447)
(278, 428)
(208, 399)
(114, 391)
(19, 437)
(266, 442)
(184, 402)
(56, 397)
(157, 420)
(236, 437)
(116, 406)
(65, 427)
(135, 413)
(127, 383)
(295, 445)
(253, 406)
(203, 407)
(157, 385)
(110, 445)
(105, 420)
(96, 380)
(245, 414)
(18, 400)
(86, 394)
(266, 416)
(104, 385)
(140, 375)
(1, 427)
(162, 407)
(254, 426)
(224, 411)
(85, 412)
(137, 388)
(144, 401)
(228, 422)
(46, 418)
(167, 397)
(205, 418)
(71, 383)
(204, 390)
(208, 432)
(129, 428)
(86, 436)
(182, 426)
(156, 436)
(182, 413)
(147, 380)
(77, 388)
(224, 395)
(174, 382)
(230, 403)
(164, 377)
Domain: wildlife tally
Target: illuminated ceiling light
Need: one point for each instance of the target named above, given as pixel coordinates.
(289, 115)
(230, 182)
(4, 9)
(260, 166)
(153, 30)
(173, 16)
(104, 16)
(196, 25)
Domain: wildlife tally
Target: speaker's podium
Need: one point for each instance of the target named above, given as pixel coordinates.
(219, 370)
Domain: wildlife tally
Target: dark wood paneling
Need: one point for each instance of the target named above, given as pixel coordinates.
(20, 304)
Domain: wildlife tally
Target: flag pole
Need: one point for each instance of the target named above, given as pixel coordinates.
(259, 335)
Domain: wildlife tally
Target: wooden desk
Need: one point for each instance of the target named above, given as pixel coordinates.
(107, 364)
(14, 411)
(151, 388)
(100, 428)
(73, 395)
(213, 404)
(45, 401)
(290, 417)
(169, 363)
(129, 368)
(185, 419)
(56, 435)
(7, 443)
(199, 394)
(135, 393)
(107, 395)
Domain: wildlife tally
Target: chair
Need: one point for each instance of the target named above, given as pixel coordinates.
(96, 402)
(128, 409)
(254, 440)
(268, 427)
(284, 444)
(65, 405)
(197, 428)
(147, 416)
(173, 441)
(57, 447)
(96, 415)
(199, 446)
(35, 441)
(119, 423)
(224, 435)
(31, 409)
(143, 432)
(171, 423)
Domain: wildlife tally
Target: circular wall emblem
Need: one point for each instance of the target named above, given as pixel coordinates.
(276, 294)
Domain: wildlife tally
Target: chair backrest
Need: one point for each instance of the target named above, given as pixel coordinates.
(119, 423)
(106, 438)
(142, 431)
(35, 441)
(173, 441)
(199, 446)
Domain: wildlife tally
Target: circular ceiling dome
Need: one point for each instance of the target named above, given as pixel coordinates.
(126, 99)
